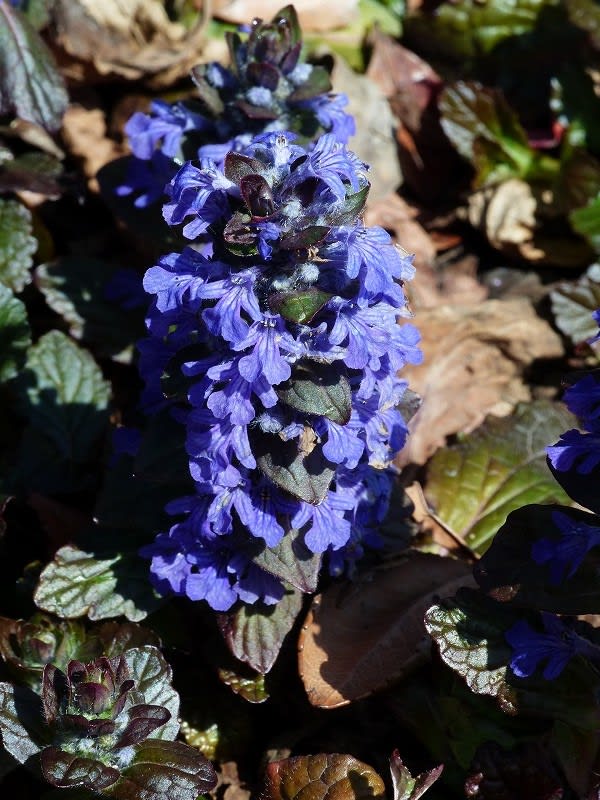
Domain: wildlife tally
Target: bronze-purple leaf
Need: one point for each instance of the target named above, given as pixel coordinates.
(405, 786)
(165, 771)
(237, 166)
(325, 776)
(66, 769)
(143, 720)
(263, 74)
(87, 727)
(54, 688)
(257, 195)
(92, 698)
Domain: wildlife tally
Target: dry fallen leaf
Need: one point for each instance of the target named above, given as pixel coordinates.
(431, 286)
(374, 141)
(394, 214)
(313, 14)
(85, 136)
(131, 39)
(430, 523)
(360, 637)
(474, 357)
(403, 77)
(512, 216)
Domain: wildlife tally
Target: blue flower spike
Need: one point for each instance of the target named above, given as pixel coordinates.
(289, 311)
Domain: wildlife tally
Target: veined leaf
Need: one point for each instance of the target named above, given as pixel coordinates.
(17, 245)
(30, 85)
(474, 484)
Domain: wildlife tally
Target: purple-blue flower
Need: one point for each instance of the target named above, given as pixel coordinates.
(575, 450)
(257, 331)
(583, 400)
(556, 646)
(565, 554)
(162, 128)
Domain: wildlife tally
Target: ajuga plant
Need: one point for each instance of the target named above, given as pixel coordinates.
(525, 637)
(107, 726)
(268, 86)
(288, 338)
(27, 645)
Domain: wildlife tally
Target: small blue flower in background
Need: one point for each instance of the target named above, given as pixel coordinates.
(566, 554)
(556, 646)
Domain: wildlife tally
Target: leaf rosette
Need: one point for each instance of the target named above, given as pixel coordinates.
(94, 728)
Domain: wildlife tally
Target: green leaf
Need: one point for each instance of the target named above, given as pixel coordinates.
(38, 12)
(508, 572)
(207, 93)
(17, 245)
(319, 389)
(573, 304)
(304, 238)
(165, 771)
(253, 690)
(153, 676)
(301, 306)
(30, 85)
(325, 775)
(586, 221)
(75, 288)
(348, 212)
(292, 562)
(405, 786)
(305, 476)
(15, 336)
(21, 721)
(33, 171)
(65, 395)
(585, 14)
(474, 484)
(469, 631)
(486, 132)
(255, 634)
(468, 29)
(77, 583)
(318, 82)
(26, 646)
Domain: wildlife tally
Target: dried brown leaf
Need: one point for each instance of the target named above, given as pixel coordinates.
(130, 39)
(517, 220)
(474, 357)
(374, 141)
(431, 286)
(84, 133)
(360, 637)
(408, 81)
(394, 214)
